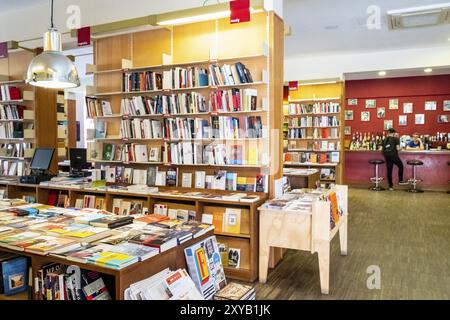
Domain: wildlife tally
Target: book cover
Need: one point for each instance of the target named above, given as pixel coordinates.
(205, 267)
(232, 221)
(15, 276)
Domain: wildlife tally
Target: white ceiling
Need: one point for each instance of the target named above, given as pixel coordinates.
(10, 5)
(339, 27)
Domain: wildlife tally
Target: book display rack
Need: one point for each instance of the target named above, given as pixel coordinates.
(22, 126)
(314, 119)
(213, 108)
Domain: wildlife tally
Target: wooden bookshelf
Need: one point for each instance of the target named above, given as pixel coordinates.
(258, 44)
(310, 95)
(38, 105)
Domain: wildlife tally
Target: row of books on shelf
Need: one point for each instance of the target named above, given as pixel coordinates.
(233, 100)
(13, 168)
(315, 133)
(11, 112)
(315, 108)
(181, 153)
(321, 121)
(323, 145)
(185, 153)
(311, 157)
(9, 93)
(180, 103)
(15, 150)
(55, 282)
(201, 181)
(13, 130)
(139, 129)
(98, 108)
(190, 77)
(221, 180)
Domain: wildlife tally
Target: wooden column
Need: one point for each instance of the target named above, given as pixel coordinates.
(45, 122)
(72, 123)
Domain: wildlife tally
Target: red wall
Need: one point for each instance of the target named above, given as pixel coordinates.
(417, 90)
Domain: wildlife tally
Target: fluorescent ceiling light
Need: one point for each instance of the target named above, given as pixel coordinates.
(382, 73)
(200, 14)
(428, 70)
(202, 17)
(419, 16)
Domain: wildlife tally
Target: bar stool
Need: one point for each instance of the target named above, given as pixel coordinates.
(377, 179)
(414, 181)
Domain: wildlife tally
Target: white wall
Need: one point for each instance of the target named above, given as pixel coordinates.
(334, 66)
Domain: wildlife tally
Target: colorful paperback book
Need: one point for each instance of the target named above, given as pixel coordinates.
(48, 244)
(139, 251)
(83, 254)
(205, 267)
(110, 259)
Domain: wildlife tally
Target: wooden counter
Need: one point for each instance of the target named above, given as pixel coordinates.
(435, 171)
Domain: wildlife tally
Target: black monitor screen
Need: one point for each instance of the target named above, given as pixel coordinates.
(42, 158)
(77, 159)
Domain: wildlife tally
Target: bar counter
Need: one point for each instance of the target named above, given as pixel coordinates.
(435, 171)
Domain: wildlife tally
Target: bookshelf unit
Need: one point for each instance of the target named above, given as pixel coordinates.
(39, 109)
(198, 45)
(314, 130)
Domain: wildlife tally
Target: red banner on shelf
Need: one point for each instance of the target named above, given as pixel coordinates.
(84, 36)
(293, 85)
(240, 11)
(3, 50)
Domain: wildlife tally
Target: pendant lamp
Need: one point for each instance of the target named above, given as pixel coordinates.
(52, 69)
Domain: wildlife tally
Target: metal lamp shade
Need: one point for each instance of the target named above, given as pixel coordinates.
(52, 69)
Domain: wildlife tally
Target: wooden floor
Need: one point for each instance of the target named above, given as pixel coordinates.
(406, 235)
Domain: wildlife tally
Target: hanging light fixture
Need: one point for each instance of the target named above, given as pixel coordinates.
(52, 69)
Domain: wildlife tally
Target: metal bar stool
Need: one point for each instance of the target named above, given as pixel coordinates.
(414, 181)
(377, 179)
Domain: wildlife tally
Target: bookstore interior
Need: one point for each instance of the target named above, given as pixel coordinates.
(207, 150)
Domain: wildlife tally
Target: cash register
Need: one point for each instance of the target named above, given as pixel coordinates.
(39, 166)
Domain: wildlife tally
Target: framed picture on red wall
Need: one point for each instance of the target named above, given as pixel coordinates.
(403, 121)
(408, 107)
(348, 115)
(365, 116)
(443, 118)
(381, 112)
(431, 105)
(352, 102)
(393, 104)
(446, 105)
(347, 131)
(420, 119)
(371, 104)
(388, 124)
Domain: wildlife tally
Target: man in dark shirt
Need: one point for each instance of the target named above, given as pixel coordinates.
(391, 146)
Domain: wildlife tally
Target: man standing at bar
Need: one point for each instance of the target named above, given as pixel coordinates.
(391, 146)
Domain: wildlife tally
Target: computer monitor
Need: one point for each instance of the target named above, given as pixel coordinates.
(78, 160)
(42, 158)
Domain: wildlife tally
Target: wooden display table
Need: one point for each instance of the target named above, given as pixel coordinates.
(119, 280)
(247, 242)
(303, 231)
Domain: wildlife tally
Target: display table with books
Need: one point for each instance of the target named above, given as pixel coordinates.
(308, 220)
(216, 207)
(124, 250)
